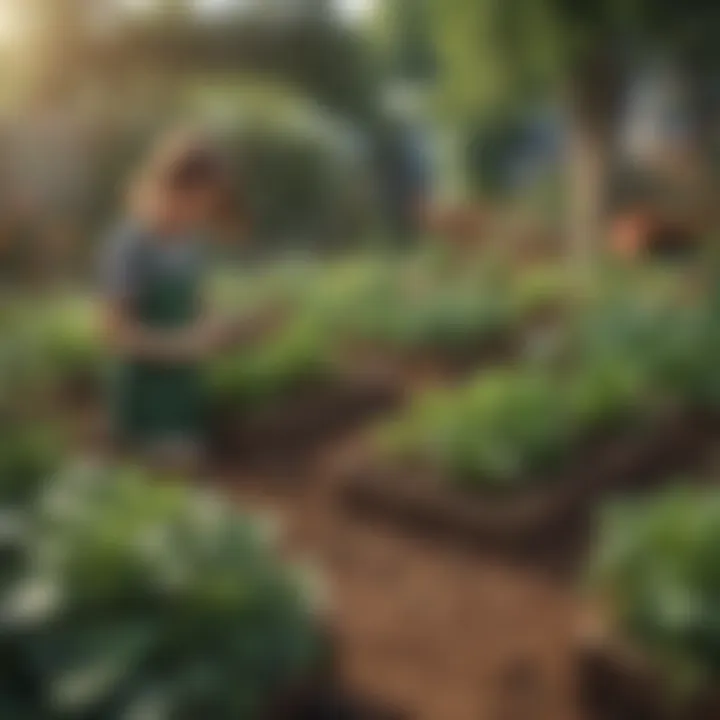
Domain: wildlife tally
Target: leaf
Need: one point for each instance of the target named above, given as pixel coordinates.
(86, 666)
(32, 603)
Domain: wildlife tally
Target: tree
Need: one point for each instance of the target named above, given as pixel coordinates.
(494, 54)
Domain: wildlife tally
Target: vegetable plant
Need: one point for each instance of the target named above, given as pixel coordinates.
(656, 573)
(68, 339)
(139, 598)
(512, 424)
(259, 376)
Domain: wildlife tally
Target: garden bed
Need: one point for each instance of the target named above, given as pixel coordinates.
(293, 428)
(417, 368)
(416, 499)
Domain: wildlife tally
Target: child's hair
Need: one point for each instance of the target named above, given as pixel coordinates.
(181, 161)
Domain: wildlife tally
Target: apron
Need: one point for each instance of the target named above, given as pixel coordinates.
(153, 402)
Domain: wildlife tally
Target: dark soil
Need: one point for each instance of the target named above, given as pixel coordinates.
(298, 426)
(429, 630)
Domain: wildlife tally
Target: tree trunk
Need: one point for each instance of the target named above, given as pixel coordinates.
(593, 98)
(588, 171)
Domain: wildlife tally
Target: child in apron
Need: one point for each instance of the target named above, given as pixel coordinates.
(155, 324)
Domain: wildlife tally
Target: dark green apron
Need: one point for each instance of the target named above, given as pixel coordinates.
(160, 401)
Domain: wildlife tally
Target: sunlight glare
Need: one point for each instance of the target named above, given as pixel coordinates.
(11, 22)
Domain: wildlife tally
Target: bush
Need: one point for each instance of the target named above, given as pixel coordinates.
(70, 335)
(29, 453)
(655, 569)
(48, 344)
(145, 599)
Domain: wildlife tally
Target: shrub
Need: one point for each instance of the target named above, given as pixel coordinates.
(147, 599)
(655, 570)
(68, 338)
(29, 452)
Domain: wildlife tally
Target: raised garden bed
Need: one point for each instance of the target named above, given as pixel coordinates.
(294, 427)
(447, 343)
(426, 502)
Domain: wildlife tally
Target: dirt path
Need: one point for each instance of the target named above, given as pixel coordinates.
(432, 632)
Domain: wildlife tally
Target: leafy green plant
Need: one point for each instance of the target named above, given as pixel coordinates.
(421, 312)
(675, 345)
(148, 599)
(511, 425)
(490, 434)
(68, 338)
(258, 376)
(545, 287)
(47, 343)
(655, 570)
(29, 453)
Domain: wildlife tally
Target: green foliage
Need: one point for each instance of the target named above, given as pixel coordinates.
(492, 434)
(48, 342)
(674, 343)
(257, 376)
(622, 360)
(545, 288)
(293, 193)
(423, 305)
(512, 426)
(409, 305)
(69, 338)
(656, 569)
(492, 55)
(29, 453)
(139, 598)
(449, 318)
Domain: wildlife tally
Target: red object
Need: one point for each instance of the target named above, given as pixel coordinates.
(631, 234)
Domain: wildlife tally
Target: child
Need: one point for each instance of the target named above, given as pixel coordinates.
(154, 321)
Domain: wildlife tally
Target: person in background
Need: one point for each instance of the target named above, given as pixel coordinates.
(155, 323)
